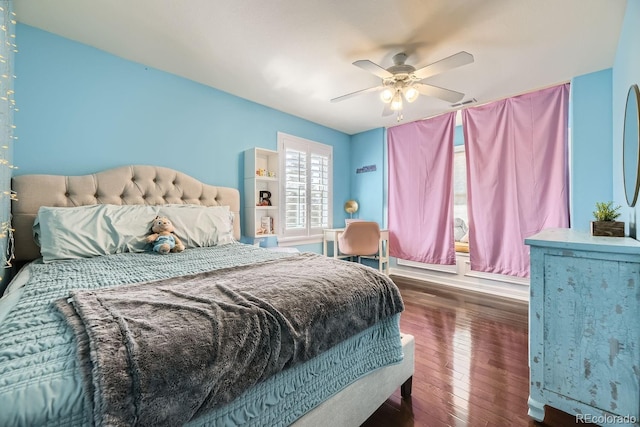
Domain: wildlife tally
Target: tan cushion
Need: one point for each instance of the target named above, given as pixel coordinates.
(462, 247)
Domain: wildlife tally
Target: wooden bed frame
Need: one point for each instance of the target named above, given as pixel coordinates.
(153, 185)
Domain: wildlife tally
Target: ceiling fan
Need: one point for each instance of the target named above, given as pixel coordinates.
(405, 81)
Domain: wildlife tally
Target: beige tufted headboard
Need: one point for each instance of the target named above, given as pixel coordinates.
(126, 185)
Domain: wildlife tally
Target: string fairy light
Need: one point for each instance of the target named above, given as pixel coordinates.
(8, 48)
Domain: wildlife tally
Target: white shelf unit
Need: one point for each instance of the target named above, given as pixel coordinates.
(256, 159)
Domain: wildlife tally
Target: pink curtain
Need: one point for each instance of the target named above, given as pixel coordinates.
(420, 190)
(517, 176)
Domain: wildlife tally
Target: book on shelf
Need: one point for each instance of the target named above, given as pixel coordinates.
(266, 224)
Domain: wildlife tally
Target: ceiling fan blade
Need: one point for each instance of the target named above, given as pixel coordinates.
(373, 68)
(456, 60)
(387, 111)
(358, 92)
(448, 95)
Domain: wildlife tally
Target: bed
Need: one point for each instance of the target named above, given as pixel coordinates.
(56, 313)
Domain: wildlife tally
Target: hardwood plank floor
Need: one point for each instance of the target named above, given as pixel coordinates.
(470, 362)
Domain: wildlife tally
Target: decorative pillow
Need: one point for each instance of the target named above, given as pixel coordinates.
(459, 229)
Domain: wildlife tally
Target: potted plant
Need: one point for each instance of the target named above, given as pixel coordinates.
(605, 223)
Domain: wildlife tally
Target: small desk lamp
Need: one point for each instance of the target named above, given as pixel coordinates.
(351, 207)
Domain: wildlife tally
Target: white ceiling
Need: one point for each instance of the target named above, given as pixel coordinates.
(295, 55)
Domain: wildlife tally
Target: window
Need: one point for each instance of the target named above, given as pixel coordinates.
(460, 184)
(460, 212)
(306, 168)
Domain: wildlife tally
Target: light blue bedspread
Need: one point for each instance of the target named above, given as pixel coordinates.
(40, 382)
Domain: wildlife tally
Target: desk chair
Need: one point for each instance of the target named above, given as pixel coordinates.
(360, 238)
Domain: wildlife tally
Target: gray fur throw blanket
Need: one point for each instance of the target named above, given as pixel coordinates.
(161, 353)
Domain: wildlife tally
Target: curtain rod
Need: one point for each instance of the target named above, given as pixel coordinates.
(468, 105)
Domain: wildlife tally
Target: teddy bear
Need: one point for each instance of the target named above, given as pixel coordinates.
(163, 239)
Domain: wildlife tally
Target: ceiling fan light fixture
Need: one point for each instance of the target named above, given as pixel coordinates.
(386, 95)
(396, 102)
(402, 80)
(411, 94)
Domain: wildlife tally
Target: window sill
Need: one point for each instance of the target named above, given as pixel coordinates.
(463, 267)
(452, 269)
(461, 275)
(301, 240)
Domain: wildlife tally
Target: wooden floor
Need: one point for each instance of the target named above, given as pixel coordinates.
(470, 362)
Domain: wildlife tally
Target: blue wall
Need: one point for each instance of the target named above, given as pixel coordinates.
(83, 110)
(591, 156)
(626, 71)
(367, 148)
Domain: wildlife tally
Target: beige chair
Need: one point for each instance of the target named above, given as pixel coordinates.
(360, 238)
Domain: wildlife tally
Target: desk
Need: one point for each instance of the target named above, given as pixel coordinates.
(332, 234)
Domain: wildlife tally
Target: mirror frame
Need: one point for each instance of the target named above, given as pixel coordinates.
(631, 167)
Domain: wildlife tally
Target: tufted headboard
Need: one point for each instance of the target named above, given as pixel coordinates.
(126, 185)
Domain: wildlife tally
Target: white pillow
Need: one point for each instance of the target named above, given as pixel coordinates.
(88, 231)
(200, 226)
(459, 229)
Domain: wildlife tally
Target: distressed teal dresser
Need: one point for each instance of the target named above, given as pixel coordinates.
(584, 326)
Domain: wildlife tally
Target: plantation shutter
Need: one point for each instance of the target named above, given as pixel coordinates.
(295, 190)
(307, 169)
(319, 191)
